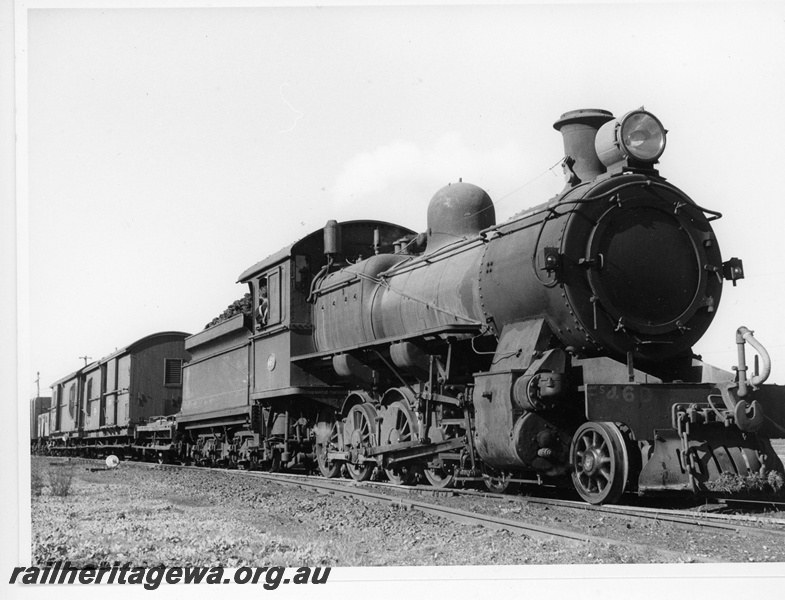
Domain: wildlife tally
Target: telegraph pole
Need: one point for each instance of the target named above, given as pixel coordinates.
(86, 358)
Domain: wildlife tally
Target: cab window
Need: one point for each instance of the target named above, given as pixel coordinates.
(262, 304)
(269, 309)
(274, 297)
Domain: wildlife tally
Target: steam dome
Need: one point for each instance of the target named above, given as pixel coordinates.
(457, 211)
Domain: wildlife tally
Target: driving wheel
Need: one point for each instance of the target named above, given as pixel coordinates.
(329, 469)
(359, 434)
(399, 426)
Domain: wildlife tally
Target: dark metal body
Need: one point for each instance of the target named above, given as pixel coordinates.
(552, 348)
(632, 274)
(39, 419)
(247, 399)
(540, 349)
(98, 408)
(500, 336)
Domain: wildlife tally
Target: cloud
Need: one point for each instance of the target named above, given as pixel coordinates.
(402, 176)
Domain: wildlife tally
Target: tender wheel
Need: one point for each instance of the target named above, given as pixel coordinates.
(275, 464)
(399, 426)
(498, 482)
(253, 462)
(600, 463)
(358, 434)
(329, 469)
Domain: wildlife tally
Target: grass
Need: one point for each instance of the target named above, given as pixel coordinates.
(729, 483)
(60, 479)
(36, 479)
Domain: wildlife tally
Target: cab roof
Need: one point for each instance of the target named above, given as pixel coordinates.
(357, 239)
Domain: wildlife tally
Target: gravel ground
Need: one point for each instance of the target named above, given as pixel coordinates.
(697, 542)
(150, 516)
(702, 544)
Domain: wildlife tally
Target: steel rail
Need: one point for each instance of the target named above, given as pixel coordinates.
(619, 509)
(779, 506)
(353, 488)
(658, 514)
(680, 517)
(359, 491)
(700, 521)
(703, 521)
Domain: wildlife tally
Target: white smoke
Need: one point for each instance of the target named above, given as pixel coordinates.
(397, 180)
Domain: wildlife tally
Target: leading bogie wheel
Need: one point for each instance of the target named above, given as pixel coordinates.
(600, 462)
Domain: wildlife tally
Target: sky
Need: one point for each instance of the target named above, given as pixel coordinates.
(171, 148)
(163, 150)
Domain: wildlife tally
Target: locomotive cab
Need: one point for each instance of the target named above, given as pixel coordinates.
(283, 288)
(251, 398)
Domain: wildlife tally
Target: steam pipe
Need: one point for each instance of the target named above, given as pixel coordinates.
(745, 335)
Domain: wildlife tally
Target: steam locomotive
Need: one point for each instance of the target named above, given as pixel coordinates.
(554, 348)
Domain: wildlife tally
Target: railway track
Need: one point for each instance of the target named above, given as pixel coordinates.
(688, 519)
(404, 497)
(362, 491)
(693, 519)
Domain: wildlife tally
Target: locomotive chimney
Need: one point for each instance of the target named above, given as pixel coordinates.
(578, 129)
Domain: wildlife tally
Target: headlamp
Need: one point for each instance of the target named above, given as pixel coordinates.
(637, 137)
